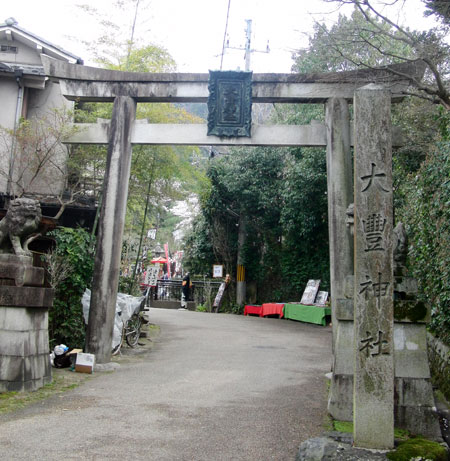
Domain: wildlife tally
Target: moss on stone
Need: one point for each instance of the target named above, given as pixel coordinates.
(418, 447)
(343, 426)
(347, 427)
(413, 311)
(440, 369)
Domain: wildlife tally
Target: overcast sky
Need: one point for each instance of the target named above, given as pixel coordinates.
(193, 30)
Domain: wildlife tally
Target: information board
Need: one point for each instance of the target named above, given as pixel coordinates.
(217, 271)
(310, 293)
(321, 298)
(151, 276)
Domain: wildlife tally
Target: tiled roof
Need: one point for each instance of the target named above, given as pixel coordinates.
(11, 24)
(27, 69)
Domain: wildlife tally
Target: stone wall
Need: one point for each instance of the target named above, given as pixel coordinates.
(439, 359)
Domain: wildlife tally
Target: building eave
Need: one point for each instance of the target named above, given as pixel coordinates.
(33, 76)
(14, 32)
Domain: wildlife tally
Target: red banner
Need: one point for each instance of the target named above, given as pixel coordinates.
(166, 249)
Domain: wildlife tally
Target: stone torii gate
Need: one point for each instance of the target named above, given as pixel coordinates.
(373, 312)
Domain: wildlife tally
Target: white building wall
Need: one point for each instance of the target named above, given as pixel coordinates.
(42, 104)
(39, 103)
(24, 55)
(8, 102)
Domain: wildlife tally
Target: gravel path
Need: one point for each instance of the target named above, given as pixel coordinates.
(213, 387)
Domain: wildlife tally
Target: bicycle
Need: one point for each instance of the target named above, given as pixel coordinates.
(131, 330)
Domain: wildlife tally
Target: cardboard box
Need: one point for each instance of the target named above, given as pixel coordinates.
(85, 363)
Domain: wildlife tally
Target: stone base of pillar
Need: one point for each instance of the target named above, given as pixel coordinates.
(24, 349)
(340, 401)
(24, 343)
(414, 402)
(340, 398)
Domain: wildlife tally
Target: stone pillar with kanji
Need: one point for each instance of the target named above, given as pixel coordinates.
(374, 282)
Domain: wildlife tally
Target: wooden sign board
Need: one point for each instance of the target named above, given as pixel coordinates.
(151, 276)
(310, 293)
(321, 298)
(219, 295)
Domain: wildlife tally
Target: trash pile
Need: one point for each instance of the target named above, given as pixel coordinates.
(64, 357)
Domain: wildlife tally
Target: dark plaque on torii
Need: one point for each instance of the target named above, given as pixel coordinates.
(230, 103)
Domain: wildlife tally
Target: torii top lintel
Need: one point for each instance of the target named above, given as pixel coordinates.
(86, 83)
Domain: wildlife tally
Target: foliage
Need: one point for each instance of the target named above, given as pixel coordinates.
(439, 8)
(115, 25)
(237, 309)
(198, 255)
(282, 195)
(420, 170)
(389, 42)
(347, 426)
(159, 174)
(129, 285)
(348, 44)
(305, 223)
(66, 323)
(61, 382)
(41, 164)
(418, 448)
(427, 215)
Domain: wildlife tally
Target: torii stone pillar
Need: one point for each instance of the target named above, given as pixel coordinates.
(373, 394)
(340, 195)
(110, 231)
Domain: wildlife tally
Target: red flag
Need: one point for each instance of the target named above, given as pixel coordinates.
(166, 249)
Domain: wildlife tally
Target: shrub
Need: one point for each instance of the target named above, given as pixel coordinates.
(427, 217)
(66, 323)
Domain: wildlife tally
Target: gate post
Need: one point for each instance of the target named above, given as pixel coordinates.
(373, 395)
(340, 195)
(110, 230)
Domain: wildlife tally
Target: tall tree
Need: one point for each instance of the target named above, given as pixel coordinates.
(439, 8)
(391, 43)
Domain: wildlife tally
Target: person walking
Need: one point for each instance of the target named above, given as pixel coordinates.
(185, 290)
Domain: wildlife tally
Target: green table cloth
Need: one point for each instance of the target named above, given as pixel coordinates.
(309, 314)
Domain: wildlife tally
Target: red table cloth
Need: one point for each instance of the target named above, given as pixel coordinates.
(252, 309)
(272, 309)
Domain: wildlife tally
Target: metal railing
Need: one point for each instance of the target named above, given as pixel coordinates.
(170, 290)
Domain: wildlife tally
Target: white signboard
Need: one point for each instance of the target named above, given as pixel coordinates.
(217, 270)
(151, 234)
(151, 276)
(310, 293)
(321, 298)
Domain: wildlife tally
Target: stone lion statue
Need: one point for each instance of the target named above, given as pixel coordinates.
(21, 220)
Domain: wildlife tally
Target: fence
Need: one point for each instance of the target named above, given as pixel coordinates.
(170, 290)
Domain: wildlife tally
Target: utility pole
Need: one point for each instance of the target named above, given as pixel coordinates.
(241, 286)
(247, 48)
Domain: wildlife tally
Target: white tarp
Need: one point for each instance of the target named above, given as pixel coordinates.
(126, 306)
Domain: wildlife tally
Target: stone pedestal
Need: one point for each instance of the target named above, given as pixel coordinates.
(24, 344)
(413, 392)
